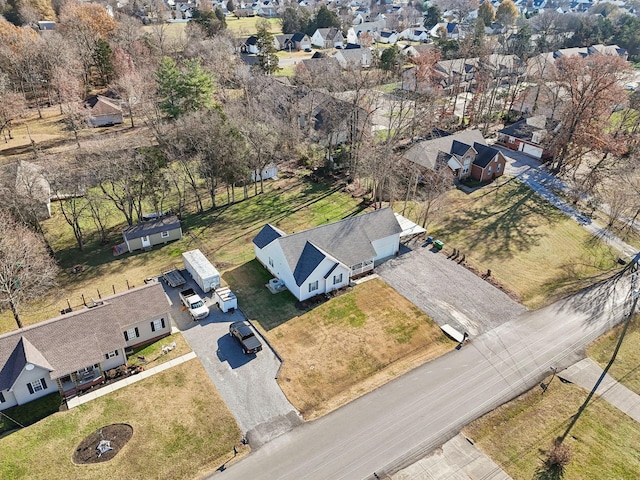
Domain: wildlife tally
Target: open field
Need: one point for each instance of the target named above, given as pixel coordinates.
(530, 247)
(350, 345)
(242, 27)
(181, 429)
(604, 441)
(625, 368)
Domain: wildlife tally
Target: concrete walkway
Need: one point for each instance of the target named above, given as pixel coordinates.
(74, 402)
(586, 373)
(457, 459)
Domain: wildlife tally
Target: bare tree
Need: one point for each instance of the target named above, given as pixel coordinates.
(26, 269)
(70, 186)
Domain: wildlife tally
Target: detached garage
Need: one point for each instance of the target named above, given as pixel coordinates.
(156, 232)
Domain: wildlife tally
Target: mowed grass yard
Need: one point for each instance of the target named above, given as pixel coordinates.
(238, 26)
(181, 430)
(604, 441)
(531, 247)
(351, 344)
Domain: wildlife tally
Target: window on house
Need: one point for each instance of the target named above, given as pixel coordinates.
(164, 234)
(313, 286)
(271, 261)
(111, 354)
(131, 334)
(498, 167)
(37, 386)
(157, 324)
(337, 279)
(489, 170)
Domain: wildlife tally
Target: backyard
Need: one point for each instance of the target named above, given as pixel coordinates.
(181, 430)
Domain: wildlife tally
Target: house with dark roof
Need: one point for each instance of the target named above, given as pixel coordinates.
(327, 38)
(464, 153)
(325, 258)
(301, 41)
(526, 136)
(23, 182)
(103, 112)
(154, 232)
(72, 352)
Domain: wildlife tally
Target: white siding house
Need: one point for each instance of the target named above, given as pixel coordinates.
(324, 258)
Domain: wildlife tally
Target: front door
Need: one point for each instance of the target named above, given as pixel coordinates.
(146, 242)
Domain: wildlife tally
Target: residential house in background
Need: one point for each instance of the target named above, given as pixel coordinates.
(325, 258)
(301, 41)
(464, 153)
(388, 37)
(354, 57)
(103, 112)
(145, 235)
(450, 29)
(24, 183)
(250, 45)
(526, 136)
(72, 352)
(284, 42)
(415, 34)
(542, 65)
(327, 38)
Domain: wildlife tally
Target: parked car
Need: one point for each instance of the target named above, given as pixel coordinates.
(308, 50)
(248, 340)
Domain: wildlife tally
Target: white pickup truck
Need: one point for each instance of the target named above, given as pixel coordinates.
(194, 303)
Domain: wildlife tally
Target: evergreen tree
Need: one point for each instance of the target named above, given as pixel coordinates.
(267, 58)
(432, 17)
(230, 6)
(185, 91)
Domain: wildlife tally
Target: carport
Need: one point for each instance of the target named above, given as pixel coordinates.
(409, 228)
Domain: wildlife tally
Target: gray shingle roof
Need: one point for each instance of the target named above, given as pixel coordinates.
(525, 128)
(163, 224)
(79, 339)
(427, 152)
(349, 240)
(267, 235)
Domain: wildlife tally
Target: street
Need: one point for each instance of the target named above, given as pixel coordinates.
(410, 416)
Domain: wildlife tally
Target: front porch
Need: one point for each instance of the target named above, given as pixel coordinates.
(71, 385)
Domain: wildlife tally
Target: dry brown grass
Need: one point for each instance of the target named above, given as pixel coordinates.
(516, 435)
(350, 344)
(181, 429)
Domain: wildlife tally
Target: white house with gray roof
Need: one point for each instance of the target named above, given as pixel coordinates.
(72, 352)
(324, 258)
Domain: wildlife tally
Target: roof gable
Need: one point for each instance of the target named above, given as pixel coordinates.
(267, 235)
(308, 261)
(485, 155)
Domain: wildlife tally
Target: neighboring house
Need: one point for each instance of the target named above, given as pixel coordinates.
(327, 38)
(24, 183)
(269, 171)
(250, 45)
(103, 112)
(525, 136)
(325, 258)
(452, 30)
(267, 12)
(301, 41)
(155, 232)
(46, 25)
(415, 35)
(388, 37)
(542, 65)
(464, 153)
(354, 57)
(372, 28)
(72, 352)
(284, 42)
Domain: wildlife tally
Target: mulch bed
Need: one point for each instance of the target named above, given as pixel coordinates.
(118, 434)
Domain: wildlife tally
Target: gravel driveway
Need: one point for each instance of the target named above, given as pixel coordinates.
(448, 292)
(246, 382)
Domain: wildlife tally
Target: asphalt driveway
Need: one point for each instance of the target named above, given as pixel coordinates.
(246, 382)
(448, 292)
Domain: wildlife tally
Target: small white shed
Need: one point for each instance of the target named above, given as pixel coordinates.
(226, 299)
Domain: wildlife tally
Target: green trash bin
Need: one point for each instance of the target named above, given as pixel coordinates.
(438, 244)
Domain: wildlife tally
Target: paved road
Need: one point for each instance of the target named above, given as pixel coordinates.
(246, 382)
(400, 422)
(448, 292)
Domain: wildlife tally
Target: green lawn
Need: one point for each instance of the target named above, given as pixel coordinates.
(181, 429)
(530, 247)
(604, 441)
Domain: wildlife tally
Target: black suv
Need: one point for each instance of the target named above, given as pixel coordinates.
(248, 340)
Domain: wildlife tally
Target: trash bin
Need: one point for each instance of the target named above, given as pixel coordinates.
(429, 240)
(438, 244)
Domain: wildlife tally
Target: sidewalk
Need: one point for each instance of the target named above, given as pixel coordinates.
(75, 401)
(586, 372)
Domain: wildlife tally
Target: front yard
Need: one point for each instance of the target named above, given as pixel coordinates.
(351, 344)
(181, 430)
